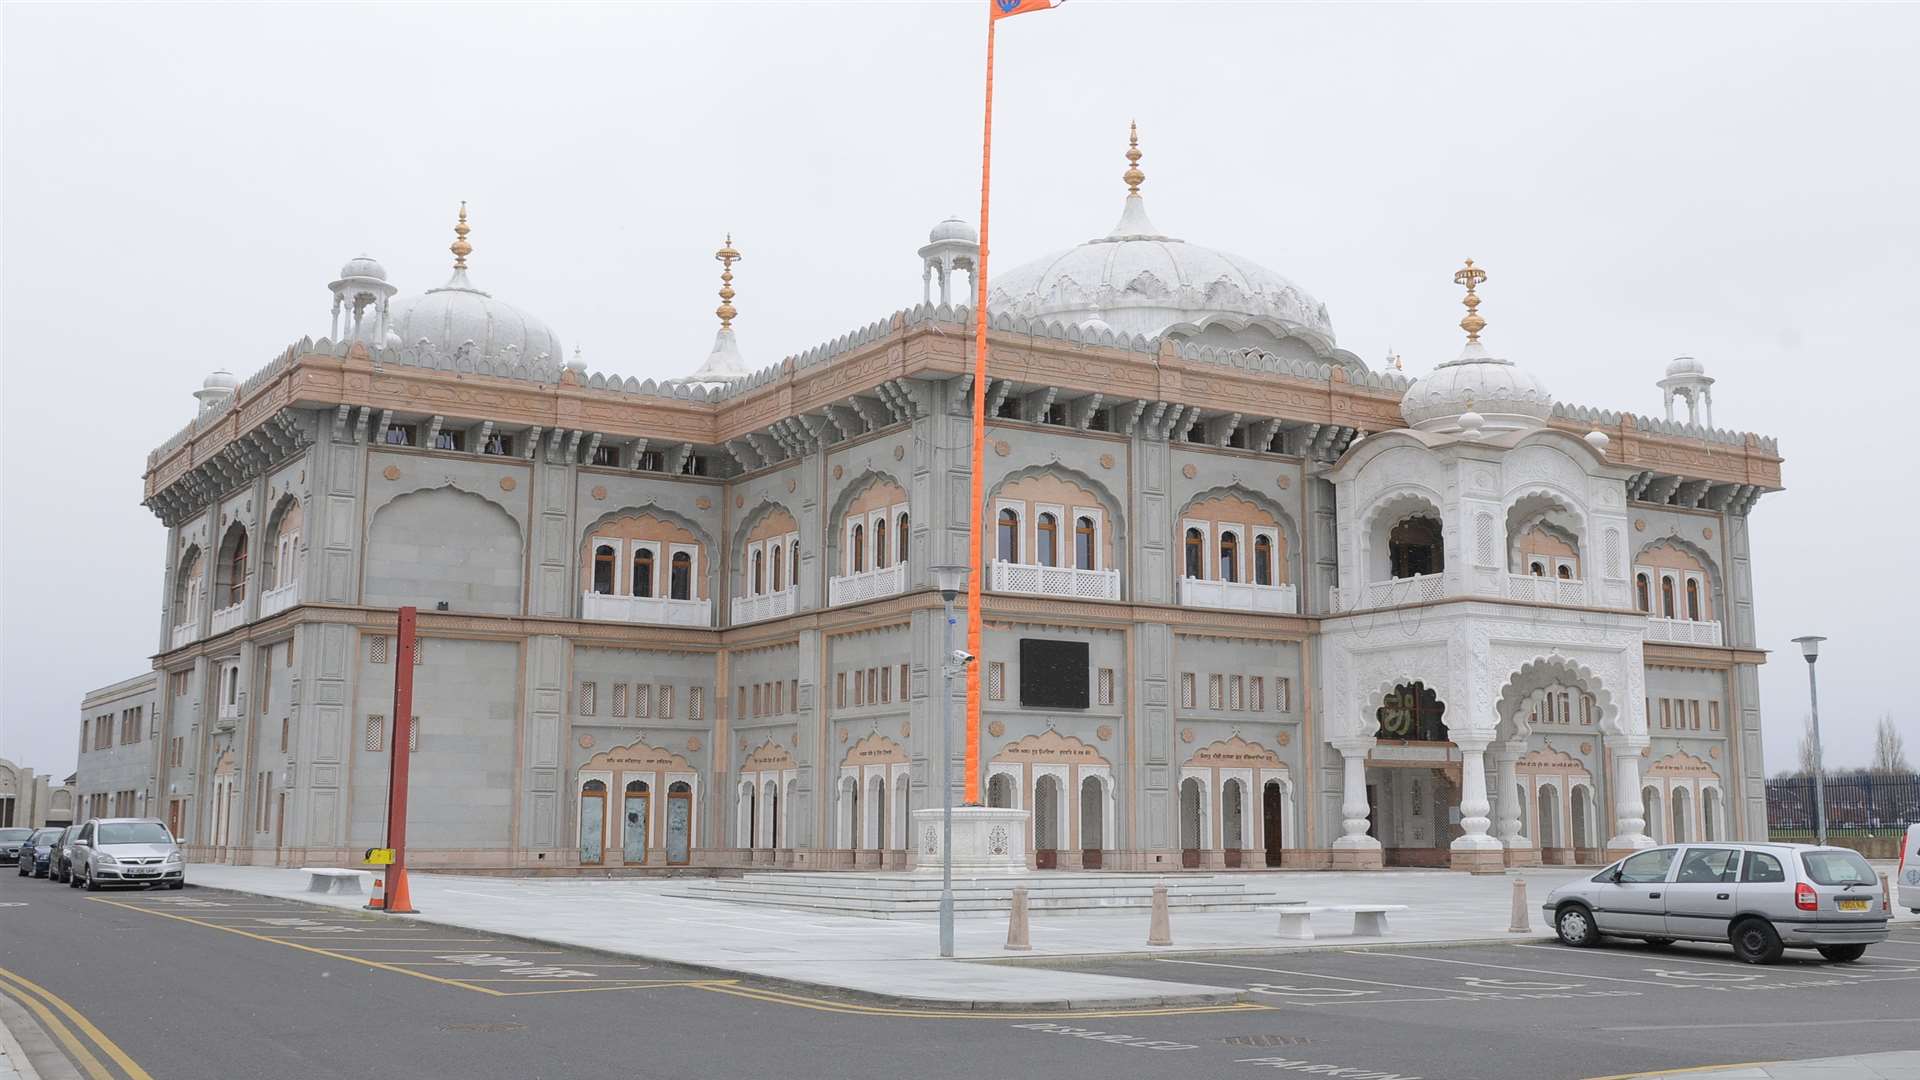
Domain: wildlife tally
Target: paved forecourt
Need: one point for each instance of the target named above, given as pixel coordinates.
(896, 959)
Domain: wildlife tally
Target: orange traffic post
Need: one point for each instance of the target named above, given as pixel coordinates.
(970, 774)
(397, 899)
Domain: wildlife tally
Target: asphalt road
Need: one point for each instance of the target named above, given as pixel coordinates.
(204, 984)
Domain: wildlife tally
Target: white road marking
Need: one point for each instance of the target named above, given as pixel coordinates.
(1504, 967)
(1763, 1024)
(1442, 990)
(1110, 1038)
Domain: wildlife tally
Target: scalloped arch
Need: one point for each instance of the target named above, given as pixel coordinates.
(1545, 672)
(1116, 515)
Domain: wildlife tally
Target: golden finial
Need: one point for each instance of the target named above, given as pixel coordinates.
(1473, 323)
(727, 257)
(1133, 176)
(460, 248)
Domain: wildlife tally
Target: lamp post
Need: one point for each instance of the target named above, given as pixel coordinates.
(1810, 648)
(949, 580)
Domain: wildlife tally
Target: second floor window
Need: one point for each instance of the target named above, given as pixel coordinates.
(643, 572)
(880, 544)
(237, 571)
(1045, 541)
(779, 565)
(859, 549)
(1263, 560)
(1008, 536)
(1229, 557)
(1666, 597)
(603, 570)
(900, 537)
(1083, 555)
(1641, 590)
(1693, 599)
(759, 572)
(1196, 560)
(681, 583)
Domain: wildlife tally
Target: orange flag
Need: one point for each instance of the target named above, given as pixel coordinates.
(1003, 8)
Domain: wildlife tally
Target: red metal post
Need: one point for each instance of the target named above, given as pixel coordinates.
(398, 900)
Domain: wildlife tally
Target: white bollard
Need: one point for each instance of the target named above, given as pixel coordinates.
(1017, 920)
(1159, 931)
(1522, 921)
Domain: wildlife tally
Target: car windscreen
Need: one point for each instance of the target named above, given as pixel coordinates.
(1837, 866)
(134, 832)
(10, 835)
(46, 836)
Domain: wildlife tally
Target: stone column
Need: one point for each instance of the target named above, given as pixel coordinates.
(1630, 814)
(1354, 849)
(1474, 850)
(1519, 851)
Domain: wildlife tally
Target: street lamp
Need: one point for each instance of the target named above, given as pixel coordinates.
(1810, 648)
(949, 580)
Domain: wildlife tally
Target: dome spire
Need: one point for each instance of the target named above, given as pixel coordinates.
(460, 248)
(1133, 176)
(727, 256)
(1471, 276)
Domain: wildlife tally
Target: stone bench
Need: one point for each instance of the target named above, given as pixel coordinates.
(328, 880)
(1369, 920)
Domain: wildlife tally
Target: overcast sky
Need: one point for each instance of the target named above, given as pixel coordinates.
(179, 184)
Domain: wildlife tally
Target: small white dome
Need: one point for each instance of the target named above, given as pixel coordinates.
(1505, 397)
(1686, 365)
(1598, 440)
(954, 228)
(221, 379)
(365, 266)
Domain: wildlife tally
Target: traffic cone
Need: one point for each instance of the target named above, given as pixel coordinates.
(399, 901)
(1017, 920)
(1159, 931)
(378, 902)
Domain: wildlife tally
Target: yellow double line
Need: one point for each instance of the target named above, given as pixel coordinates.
(61, 1019)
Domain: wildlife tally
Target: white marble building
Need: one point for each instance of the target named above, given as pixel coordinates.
(1249, 601)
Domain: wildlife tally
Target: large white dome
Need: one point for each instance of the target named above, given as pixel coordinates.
(1505, 396)
(457, 312)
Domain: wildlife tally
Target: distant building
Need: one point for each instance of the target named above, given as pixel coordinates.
(29, 800)
(1248, 601)
(119, 759)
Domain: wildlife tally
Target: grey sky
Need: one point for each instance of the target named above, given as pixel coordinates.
(179, 183)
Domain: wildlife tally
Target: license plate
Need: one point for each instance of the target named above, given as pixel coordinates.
(149, 873)
(1852, 905)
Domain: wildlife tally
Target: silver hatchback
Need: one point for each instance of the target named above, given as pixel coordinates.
(1759, 898)
(126, 851)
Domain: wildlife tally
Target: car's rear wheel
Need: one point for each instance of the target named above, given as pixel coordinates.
(1756, 942)
(1574, 924)
(1843, 954)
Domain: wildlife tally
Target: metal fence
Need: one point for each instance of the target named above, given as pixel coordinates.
(1857, 805)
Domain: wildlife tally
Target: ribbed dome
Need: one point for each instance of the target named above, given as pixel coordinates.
(221, 379)
(363, 266)
(954, 228)
(1505, 397)
(1686, 365)
(456, 313)
(1141, 281)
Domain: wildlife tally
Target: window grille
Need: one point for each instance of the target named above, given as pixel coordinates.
(1713, 716)
(1256, 693)
(839, 689)
(413, 735)
(1666, 713)
(1236, 693)
(619, 703)
(587, 695)
(1106, 686)
(377, 649)
(906, 681)
(997, 680)
(666, 703)
(419, 650)
(696, 703)
(1213, 691)
(1283, 693)
(886, 685)
(376, 736)
(1186, 690)
(859, 688)
(793, 696)
(643, 700)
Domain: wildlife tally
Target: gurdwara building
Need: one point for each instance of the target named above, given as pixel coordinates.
(1248, 600)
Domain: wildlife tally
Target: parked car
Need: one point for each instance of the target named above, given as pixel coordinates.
(1759, 898)
(10, 841)
(1909, 875)
(127, 851)
(61, 867)
(36, 852)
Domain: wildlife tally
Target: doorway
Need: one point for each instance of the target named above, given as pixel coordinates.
(1046, 825)
(1092, 823)
(1190, 839)
(593, 823)
(634, 820)
(1233, 822)
(679, 823)
(1272, 819)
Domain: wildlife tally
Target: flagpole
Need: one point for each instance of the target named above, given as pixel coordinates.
(975, 524)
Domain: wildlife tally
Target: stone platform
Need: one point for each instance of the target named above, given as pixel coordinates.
(910, 895)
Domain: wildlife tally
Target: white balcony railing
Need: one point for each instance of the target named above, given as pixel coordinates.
(184, 633)
(1546, 590)
(275, 601)
(228, 617)
(1419, 589)
(1239, 596)
(775, 605)
(866, 585)
(1055, 581)
(1685, 631)
(646, 609)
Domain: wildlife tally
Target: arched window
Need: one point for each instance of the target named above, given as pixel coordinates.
(643, 572)
(1046, 540)
(879, 543)
(1412, 712)
(1196, 554)
(779, 565)
(1666, 597)
(1084, 556)
(1414, 548)
(1537, 568)
(1009, 535)
(1263, 561)
(603, 569)
(759, 573)
(1565, 572)
(1229, 556)
(900, 538)
(857, 549)
(680, 584)
(1693, 598)
(793, 561)
(1641, 597)
(237, 571)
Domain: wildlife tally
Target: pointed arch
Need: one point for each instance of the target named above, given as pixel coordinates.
(1113, 510)
(1716, 588)
(1215, 505)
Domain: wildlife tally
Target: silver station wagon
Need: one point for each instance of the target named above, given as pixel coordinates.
(1759, 898)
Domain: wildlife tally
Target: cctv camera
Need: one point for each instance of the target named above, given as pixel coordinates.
(962, 657)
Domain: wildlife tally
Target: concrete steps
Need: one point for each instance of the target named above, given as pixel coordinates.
(900, 895)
